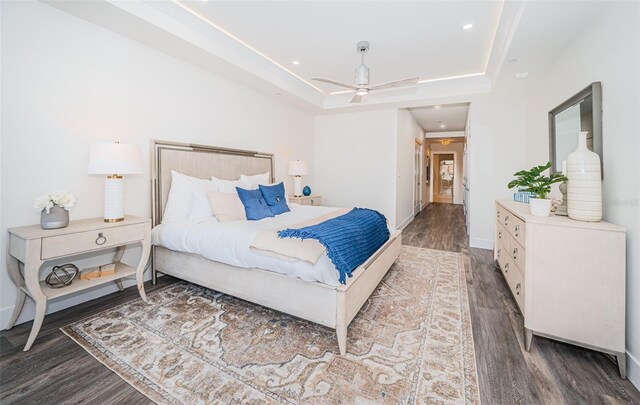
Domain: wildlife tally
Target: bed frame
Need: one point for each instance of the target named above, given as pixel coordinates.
(334, 307)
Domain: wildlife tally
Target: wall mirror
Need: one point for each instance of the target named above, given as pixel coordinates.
(582, 112)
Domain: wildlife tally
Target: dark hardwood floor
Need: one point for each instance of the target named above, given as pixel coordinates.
(58, 371)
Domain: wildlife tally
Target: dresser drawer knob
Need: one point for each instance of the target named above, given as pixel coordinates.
(515, 253)
(499, 253)
(101, 239)
(312, 202)
(506, 220)
(518, 287)
(517, 230)
(498, 214)
(506, 267)
(500, 234)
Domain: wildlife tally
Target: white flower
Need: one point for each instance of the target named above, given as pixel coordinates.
(57, 198)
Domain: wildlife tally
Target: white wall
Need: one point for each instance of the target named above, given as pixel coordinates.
(458, 149)
(408, 131)
(355, 160)
(495, 148)
(67, 83)
(608, 51)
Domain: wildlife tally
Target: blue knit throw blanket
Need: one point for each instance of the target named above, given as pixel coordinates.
(350, 239)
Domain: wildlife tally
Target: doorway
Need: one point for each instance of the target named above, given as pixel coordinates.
(444, 177)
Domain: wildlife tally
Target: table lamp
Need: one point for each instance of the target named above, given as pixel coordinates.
(298, 168)
(114, 160)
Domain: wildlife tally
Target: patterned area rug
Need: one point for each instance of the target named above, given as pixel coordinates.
(410, 343)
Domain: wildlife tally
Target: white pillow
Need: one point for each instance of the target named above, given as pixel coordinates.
(228, 186)
(200, 207)
(179, 201)
(263, 179)
(227, 206)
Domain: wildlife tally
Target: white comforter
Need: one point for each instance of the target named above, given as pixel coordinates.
(228, 242)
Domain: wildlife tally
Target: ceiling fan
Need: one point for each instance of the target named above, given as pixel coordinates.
(361, 86)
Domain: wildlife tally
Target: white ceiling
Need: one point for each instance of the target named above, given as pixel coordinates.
(416, 38)
(544, 32)
(452, 116)
(254, 42)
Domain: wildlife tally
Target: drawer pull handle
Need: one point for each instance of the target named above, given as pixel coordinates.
(500, 234)
(506, 220)
(101, 239)
(518, 286)
(499, 253)
(506, 267)
(515, 253)
(517, 230)
(498, 214)
(312, 202)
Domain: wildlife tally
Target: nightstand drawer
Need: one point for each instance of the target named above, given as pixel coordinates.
(313, 201)
(77, 243)
(306, 200)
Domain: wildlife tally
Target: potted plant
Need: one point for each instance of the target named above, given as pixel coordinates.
(54, 209)
(535, 182)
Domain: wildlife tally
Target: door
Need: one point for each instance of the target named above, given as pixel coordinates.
(444, 173)
(417, 179)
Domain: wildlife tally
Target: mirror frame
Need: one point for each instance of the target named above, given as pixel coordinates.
(595, 91)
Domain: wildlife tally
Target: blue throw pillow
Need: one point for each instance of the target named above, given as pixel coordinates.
(275, 198)
(255, 206)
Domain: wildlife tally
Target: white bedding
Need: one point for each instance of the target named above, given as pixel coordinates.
(228, 242)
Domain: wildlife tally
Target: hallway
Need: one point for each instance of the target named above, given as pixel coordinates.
(552, 372)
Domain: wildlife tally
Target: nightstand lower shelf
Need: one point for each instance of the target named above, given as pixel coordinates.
(122, 270)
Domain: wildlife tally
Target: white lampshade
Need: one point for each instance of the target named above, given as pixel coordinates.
(115, 158)
(298, 168)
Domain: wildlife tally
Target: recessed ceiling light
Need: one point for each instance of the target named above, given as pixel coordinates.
(443, 126)
(296, 62)
(467, 26)
(437, 107)
(521, 75)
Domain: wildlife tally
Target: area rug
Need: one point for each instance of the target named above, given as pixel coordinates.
(410, 343)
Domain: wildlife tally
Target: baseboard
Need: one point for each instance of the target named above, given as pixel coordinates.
(633, 370)
(481, 243)
(404, 223)
(28, 311)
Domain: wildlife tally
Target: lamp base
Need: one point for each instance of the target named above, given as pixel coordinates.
(297, 186)
(114, 199)
(110, 220)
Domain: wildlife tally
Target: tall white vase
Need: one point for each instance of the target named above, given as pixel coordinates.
(584, 187)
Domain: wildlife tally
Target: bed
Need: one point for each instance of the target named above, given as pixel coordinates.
(303, 290)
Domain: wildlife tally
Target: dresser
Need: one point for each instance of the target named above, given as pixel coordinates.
(306, 200)
(567, 277)
(30, 247)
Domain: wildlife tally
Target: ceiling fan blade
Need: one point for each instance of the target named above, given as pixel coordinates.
(355, 99)
(412, 81)
(322, 79)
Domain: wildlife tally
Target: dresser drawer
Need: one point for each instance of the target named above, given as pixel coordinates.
(514, 225)
(499, 212)
(502, 235)
(517, 253)
(76, 243)
(516, 284)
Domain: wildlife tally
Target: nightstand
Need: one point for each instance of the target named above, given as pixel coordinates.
(306, 200)
(33, 246)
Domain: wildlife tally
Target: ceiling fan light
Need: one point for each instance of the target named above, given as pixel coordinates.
(362, 92)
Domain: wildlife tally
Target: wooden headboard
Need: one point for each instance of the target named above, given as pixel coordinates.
(199, 161)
